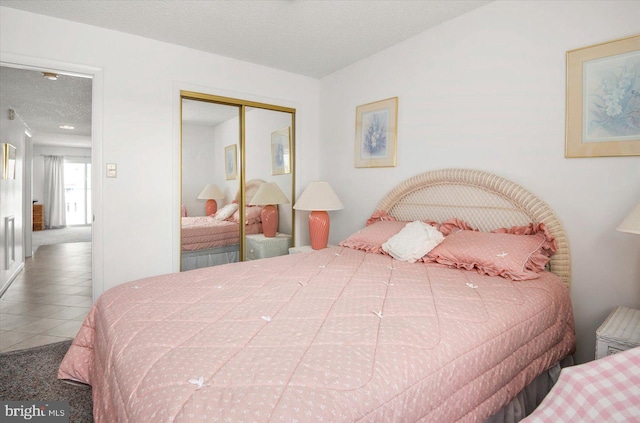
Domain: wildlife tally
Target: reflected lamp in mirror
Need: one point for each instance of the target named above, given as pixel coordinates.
(211, 193)
(631, 223)
(269, 195)
(319, 198)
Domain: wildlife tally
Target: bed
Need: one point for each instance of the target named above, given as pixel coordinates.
(603, 390)
(339, 334)
(214, 240)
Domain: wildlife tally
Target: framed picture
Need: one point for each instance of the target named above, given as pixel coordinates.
(376, 128)
(281, 151)
(603, 99)
(8, 161)
(231, 161)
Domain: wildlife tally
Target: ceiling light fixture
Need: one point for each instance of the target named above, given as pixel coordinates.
(50, 76)
(66, 127)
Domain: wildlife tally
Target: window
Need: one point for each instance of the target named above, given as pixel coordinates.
(77, 187)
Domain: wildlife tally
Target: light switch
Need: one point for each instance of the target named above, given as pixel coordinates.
(112, 170)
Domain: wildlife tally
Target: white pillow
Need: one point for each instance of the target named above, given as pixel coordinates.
(226, 212)
(412, 242)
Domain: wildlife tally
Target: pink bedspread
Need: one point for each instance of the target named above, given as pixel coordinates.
(605, 390)
(203, 232)
(334, 335)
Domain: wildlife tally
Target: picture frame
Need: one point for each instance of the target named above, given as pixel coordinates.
(231, 161)
(603, 99)
(281, 151)
(376, 133)
(9, 161)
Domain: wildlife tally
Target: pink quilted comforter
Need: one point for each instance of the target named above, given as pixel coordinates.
(202, 232)
(334, 335)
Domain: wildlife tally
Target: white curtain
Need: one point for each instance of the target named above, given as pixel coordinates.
(54, 205)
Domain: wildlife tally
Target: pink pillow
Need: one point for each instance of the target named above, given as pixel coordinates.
(372, 237)
(378, 216)
(502, 252)
(251, 215)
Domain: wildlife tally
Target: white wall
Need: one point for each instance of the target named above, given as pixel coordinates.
(487, 91)
(198, 166)
(11, 132)
(137, 126)
(226, 134)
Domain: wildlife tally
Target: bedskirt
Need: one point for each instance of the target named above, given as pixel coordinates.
(198, 259)
(531, 396)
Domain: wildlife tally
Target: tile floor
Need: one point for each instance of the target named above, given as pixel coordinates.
(49, 299)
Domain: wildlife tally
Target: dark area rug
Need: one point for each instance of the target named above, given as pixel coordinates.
(31, 375)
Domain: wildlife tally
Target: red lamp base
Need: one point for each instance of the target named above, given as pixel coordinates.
(211, 207)
(319, 229)
(269, 215)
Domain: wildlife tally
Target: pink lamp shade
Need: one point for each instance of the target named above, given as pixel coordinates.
(269, 195)
(319, 197)
(210, 193)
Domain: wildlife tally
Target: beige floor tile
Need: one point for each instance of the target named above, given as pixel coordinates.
(11, 338)
(71, 313)
(52, 293)
(35, 341)
(12, 322)
(88, 302)
(40, 326)
(68, 329)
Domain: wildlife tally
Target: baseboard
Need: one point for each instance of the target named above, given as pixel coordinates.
(11, 279)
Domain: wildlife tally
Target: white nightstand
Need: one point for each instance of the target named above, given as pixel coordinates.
(619, 332)
(304, 249)
(260, 246)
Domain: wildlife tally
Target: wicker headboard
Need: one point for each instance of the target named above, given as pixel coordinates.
(484, 200)
(250, 189)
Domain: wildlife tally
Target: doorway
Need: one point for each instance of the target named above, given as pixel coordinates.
(51, 311)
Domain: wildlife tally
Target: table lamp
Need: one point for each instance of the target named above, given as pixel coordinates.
(269, 195)
(211, 193)
(631, 223)
(319, 198)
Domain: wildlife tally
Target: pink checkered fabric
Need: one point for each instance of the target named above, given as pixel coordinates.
(605, 390)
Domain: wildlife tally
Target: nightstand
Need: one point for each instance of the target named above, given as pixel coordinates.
(260, 246)
(38, 217)
(304, 249)
(619, 332)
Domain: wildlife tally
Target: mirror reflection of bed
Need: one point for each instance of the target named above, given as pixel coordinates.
(212, 170)
(207, 128)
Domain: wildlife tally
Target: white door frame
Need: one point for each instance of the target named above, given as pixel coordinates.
(97, 96)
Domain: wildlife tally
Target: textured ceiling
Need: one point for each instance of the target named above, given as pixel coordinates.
(313, 38)
(45, 105)
(308, 37)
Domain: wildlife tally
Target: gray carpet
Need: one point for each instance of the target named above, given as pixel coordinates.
(31, 375)
(61, 236)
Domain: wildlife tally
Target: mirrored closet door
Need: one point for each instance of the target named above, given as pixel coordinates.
(237, 180)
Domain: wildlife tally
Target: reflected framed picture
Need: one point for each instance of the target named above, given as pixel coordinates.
(603, 99)
(376, 131)
(8, 161)
(281, 151)
(231, 161)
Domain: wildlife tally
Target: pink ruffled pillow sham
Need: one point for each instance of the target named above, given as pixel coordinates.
(517, 253)
(251, 215)
(371, 238)
(380, 227)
